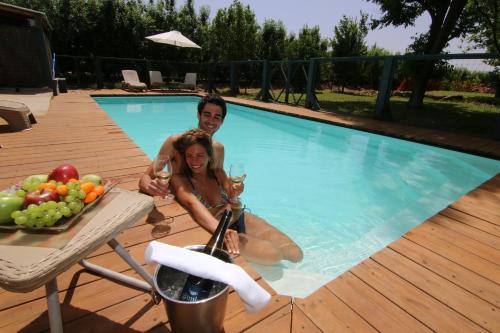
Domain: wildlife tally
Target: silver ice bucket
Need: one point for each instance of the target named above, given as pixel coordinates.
(204, 316)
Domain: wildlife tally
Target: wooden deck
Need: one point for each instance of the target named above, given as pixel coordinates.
(443, 276)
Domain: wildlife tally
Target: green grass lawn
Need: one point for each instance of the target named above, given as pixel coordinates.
(475, 114)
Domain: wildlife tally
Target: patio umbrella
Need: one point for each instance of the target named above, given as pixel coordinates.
(173, 38)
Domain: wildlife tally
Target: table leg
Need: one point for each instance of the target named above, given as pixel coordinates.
(147, 285)
(54, 309)
(134, 264)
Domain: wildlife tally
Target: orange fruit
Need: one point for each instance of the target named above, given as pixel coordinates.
(99, 190)
(73, 180)
(62, 190)
(87, 187)
(91, 196)
(45, 186)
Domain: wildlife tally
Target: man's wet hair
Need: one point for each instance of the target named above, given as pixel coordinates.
(213, 99)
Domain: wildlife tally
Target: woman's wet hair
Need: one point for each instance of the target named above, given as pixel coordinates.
(192, 137)
(213, 99)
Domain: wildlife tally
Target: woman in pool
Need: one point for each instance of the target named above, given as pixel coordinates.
(205, 192)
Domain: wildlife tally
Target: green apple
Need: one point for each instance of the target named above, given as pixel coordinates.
(97, 180)
(39, 178)
(8, 204)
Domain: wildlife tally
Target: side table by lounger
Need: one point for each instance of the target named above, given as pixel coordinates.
(30, 260)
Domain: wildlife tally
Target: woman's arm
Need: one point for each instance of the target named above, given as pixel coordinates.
(200, 213)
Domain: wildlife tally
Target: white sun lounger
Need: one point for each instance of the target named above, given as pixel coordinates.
(131, 80)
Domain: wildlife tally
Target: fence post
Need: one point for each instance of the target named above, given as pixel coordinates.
(210, 82)
(98, 72)
(311, 100)
(233, 81)
(148, 69)
(77, 71)
(264, 92)
(382, 106)
(288, 80)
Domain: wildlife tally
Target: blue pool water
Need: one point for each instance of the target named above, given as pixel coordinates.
(341, 194)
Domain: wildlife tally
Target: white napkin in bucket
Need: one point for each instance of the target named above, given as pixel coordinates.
(196, 263)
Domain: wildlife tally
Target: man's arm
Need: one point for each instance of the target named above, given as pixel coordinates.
(218, 155)
(148, 183)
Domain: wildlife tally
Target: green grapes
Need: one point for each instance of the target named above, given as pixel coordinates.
(47, 214)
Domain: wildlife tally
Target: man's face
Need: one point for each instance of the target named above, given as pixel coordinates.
(210, 118)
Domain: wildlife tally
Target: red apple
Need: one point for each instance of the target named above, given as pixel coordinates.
(39, 196)
(63, 173)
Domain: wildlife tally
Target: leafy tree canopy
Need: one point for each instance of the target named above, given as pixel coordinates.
(309, 44)
(349, 37)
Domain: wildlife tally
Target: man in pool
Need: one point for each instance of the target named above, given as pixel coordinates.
(211, 113)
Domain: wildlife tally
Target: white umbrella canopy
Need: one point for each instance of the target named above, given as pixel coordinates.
(173, 38)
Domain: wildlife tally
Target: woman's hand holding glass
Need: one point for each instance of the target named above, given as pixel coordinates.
(162, 167)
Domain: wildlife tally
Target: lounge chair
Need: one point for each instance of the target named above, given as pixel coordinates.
(156, 79)
(131, 80)
(189, 82)
(17, 115)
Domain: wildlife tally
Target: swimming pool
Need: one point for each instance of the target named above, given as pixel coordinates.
(341, 194)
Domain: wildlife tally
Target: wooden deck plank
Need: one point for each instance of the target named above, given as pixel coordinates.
(467, 304)
(432, 313)
(280, 321)
(467, 243)
(363, 300)
(471, 221)
(453, 272)
(301, 323)
(330, 314)
(472, 208)
(456, 254)
(467, 231)
(442, 275)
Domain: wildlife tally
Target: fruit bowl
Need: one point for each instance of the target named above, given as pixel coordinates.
(63, 223)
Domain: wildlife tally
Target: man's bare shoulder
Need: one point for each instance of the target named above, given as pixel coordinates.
(217, 145)
(173, 137)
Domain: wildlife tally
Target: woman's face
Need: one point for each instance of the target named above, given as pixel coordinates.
(197, 158)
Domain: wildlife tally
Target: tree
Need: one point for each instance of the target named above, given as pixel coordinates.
(309, 44)
(233, 33)
(271, 40)
(486, 32)
(372, 70)
(448, 21)
(349, 40)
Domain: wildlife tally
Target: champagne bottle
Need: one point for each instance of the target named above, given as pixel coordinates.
(197, 288)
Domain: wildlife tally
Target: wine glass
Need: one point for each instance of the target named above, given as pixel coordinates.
(163, 172)
(162, 168)
(237, 175)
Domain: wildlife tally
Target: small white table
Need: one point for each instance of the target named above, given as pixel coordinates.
(28, 260)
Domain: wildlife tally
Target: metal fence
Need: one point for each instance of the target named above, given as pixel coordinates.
(375, 85)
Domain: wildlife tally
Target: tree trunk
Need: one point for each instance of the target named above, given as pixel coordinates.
(417, 94)
(497, 87)
(442, 25)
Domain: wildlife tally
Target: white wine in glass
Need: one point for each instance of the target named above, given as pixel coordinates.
(237, 175)
(163, 172)
(163, 169)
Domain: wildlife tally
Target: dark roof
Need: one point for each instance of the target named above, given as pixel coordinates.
(15, 12)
